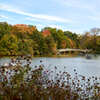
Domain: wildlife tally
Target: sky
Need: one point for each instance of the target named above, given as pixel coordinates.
(73, 15)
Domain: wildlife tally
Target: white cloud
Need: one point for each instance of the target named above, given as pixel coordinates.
(94, 18)
(62, 27)
(81, 4)
(37, 16)
(3, 17)
(33, 19)
(40, 26)
(57, 26)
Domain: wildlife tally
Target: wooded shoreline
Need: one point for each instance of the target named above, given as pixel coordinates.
(24, 39)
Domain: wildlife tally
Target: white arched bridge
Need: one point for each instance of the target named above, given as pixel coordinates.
(63, 51)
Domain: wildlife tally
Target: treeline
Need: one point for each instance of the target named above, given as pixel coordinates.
(24, 39)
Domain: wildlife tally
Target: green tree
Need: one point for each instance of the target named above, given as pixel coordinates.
(25, 47)
(40, 43)
(5, 28)
(8, 45)
(74, 37)
(51, 46)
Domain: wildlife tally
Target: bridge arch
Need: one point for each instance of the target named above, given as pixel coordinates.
(67, 50)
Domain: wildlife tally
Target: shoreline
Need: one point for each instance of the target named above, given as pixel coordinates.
(68, 55)
(54, 56)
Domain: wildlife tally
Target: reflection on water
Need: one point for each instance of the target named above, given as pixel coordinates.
(83, 66)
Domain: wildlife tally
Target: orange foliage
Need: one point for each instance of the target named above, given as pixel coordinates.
(46, 33)
(64, 44)
(72, 43)
(22, 28)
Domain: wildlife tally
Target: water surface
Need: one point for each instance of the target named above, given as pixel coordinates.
(86, 67)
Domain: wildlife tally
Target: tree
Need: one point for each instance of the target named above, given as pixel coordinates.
(46, 33)
(9, 45)
(5, 28)
(25, 47)
(51, 46)
(23, 31)
(74, 37)
(40, 42)
(94, 32)
(58, 36)
(85, 40)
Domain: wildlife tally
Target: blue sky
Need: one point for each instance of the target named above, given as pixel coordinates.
(73, 15)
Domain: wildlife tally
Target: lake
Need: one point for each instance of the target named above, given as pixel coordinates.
(86, 67)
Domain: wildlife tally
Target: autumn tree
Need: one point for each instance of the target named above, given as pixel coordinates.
(23, 31)
(94, 32)
(25, 47)
(9, 45)
(46, 33)
(5, 28)
(74, 37)
(51, 46)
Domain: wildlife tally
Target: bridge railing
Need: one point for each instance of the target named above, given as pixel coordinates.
(74, 50)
